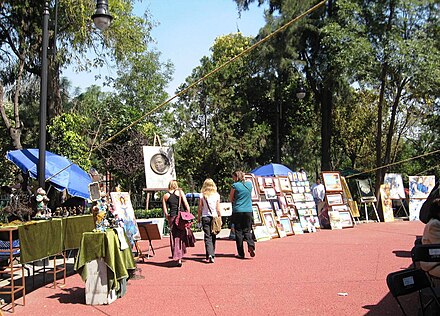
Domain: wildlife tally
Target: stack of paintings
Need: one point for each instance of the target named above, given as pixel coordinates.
(282, 205)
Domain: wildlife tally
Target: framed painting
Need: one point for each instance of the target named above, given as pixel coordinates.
(297, 228)
(257, 216)
(268, 182)
(270, 194)
(276, 185)
(334, 199)
(264, 205)
(345, 219)
(387, 203)
(365, 190)
(420, 186)
(283, 204)
(395, 182)
(270, 223)
(289, 199)
(332, 181)
(251, 178)
(260, 184)
(261, 233)
(293, 214)
(285, 184)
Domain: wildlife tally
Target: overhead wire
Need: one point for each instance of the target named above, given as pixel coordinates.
(245, 51)
(394, 163)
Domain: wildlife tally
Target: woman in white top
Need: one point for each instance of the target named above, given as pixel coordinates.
(209, 207)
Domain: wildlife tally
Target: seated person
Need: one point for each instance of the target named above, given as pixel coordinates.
(431, 235)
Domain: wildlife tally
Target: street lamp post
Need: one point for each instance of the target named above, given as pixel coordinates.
(300, 94)
(102, 20)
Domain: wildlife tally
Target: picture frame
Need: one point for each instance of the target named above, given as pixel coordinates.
(276, 185)
(257, 217)
(346, 220)
(260, 186)
(334, 199)
(287, 225)
(270, 194)
(365, 190)
(283, 204)
(395, 182)
(289, 199)
(297, 228)
(332, 181)
(261, 233)
(285, 184)
(268, 182)
(270, 223)
(254, 193)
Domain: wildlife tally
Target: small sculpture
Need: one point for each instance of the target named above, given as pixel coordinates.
(42, 200)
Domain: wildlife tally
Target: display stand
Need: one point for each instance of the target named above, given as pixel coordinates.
(402, 206)
(372, 202)
(148, 231)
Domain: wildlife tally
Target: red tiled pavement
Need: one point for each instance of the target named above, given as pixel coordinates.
(296, 275)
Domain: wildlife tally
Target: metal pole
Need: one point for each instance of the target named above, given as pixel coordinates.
(43, 98)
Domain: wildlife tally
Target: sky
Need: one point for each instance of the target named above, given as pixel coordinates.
(185, 32)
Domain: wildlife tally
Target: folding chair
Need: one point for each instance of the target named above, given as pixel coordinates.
(404, 282)
(426, 253)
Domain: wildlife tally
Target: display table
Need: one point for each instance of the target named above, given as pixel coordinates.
(96, 249)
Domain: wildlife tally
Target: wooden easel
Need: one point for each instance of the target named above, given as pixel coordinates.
(400, 207)
(373, 204)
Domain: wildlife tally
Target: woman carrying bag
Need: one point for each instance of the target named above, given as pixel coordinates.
(173, 202)
(209, 211)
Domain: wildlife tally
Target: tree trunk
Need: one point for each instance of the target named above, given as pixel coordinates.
(379, 171)
(326, 127)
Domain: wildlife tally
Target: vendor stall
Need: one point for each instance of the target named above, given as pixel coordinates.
(104, 266)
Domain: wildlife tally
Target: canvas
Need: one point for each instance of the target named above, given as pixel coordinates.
(123, 210)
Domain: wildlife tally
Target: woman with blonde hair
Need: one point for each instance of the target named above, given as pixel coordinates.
(209, 208)
(172, 202)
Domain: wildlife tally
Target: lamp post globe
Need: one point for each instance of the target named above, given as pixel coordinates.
(102, 19)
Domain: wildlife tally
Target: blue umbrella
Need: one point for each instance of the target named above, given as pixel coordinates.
(60, 171)
(272, 169)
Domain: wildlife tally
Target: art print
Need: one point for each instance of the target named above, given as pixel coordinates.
(345, 219)
(420, 186)
(332, 181)
(256, 213)
(123, 210)
(261, 233)
(251, 178)
(260, 186)
(285, 184)
(334, 199)
(268, 182)
(270, 223)
(365, 190)
(276, 185)
(395, 182)
(387, 203)
(270, 194)
(159, 167)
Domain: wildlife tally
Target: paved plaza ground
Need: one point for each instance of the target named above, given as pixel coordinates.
(330, 272)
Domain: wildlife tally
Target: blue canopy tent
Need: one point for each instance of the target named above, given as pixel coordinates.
(60, 171)
(272, 169)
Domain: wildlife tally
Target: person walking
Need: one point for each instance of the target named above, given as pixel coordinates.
(209, 208)
(318, 193)
(173, 201)
(242, 215)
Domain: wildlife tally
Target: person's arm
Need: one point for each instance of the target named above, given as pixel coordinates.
(185, 201)
(231, 195)
(217, 207)
(199, 210)
(164, 206)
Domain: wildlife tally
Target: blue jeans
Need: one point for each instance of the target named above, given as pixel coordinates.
(209, 238)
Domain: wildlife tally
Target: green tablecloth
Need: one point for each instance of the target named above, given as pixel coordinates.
(105, 245)
(73, 229)
(39, 240)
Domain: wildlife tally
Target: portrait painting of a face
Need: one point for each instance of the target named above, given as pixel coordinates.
(160, 163)
(159, 166)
